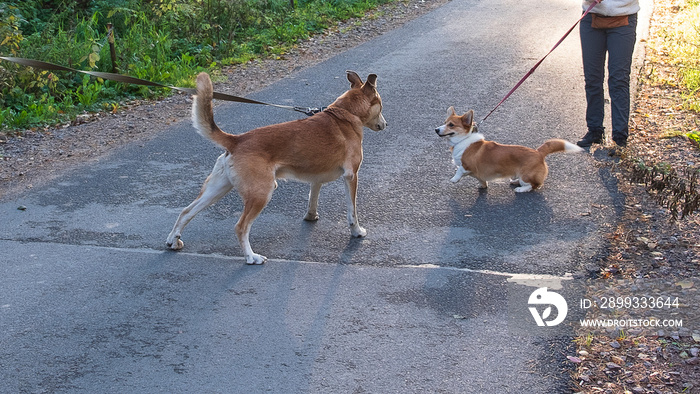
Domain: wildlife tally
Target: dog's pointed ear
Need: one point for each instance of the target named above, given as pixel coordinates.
(451, 111)
(354, 79)
(468, 119)
(370, 87)
(372, 80)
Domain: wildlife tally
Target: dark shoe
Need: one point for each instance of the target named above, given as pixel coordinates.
(621, 142)
(594, 136)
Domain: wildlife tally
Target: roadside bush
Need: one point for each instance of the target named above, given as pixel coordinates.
(10, 39)
(165, 41)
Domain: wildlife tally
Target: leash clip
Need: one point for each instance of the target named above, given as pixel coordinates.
(309, 111)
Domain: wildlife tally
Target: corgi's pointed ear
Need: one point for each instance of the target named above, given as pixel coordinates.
(468, 119)
(354, 79)
(450, 111)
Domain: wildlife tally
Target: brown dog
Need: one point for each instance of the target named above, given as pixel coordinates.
(487, 161)
(316, 150)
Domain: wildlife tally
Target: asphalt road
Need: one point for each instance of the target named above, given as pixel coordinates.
(91, 300)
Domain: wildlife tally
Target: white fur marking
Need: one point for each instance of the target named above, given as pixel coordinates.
(569, 147)
(458, 175)
(195, 117)
(461, 143)
(525, 188)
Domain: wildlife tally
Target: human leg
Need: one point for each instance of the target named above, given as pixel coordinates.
(593, 50)
(621, 42)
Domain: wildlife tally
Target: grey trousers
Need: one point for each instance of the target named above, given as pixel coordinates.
(618, 45)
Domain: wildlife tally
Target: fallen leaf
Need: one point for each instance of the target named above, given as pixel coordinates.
(685, 284)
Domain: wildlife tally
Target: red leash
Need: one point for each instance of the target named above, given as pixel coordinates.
(532, 70)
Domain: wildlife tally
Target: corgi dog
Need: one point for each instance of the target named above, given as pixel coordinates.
(316, 150)
(487, 160)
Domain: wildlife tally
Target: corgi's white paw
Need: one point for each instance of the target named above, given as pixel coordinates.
(523, 189)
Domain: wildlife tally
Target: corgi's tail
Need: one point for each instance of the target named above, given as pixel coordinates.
(557, 145)
(203, 114)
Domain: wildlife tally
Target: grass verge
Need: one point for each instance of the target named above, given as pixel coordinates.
(167, 42)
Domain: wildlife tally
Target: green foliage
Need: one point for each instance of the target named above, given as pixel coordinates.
(166, 41)
(684, 44)
(10, 34)
(88, 93)
(10, 40)
(695, 137)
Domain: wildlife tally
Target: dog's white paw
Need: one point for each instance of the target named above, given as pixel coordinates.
(358, 232)
(515, 181)
(483, 185)
(311, 217)
(175, 244)
(523, 189)
(255, 259)
(456, 178)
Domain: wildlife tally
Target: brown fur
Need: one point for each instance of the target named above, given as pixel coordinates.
(316, 150)
(487, 160)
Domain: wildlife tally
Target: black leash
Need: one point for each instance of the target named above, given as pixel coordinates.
(136, 81)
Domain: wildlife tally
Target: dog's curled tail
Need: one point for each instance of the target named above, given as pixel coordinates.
(203, 114)
(557, 145)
